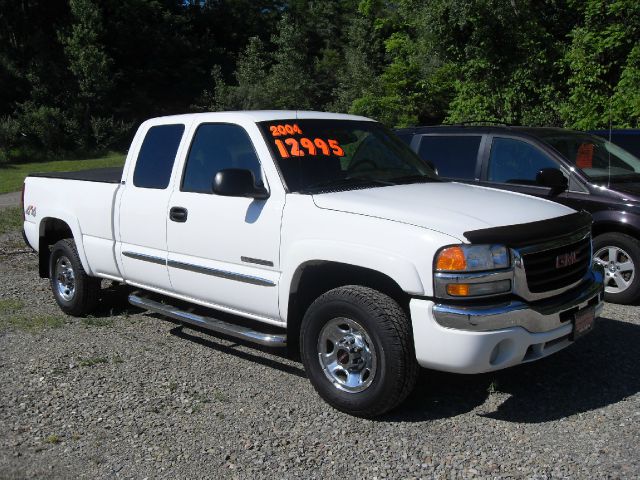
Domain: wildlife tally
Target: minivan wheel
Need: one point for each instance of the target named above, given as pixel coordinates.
(357, 349)
(76, 293)
(619, 255)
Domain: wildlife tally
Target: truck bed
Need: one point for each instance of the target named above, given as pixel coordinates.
(101, 175)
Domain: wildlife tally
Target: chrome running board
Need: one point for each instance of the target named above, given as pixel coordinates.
(210, 323)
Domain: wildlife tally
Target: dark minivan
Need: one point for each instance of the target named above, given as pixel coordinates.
(582, 171)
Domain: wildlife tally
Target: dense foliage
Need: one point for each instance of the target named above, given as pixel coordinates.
(78, 75)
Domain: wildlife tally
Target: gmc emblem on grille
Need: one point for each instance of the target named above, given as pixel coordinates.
(566, 259)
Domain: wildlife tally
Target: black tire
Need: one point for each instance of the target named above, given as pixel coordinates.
(82, 299)
(388, 329)
(627, 246)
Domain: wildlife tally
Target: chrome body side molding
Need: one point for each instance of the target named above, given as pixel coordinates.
(239, 277)
(257, 261)
(145, 258)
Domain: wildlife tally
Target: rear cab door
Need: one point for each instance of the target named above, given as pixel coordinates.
(456, 156)
(142, 206)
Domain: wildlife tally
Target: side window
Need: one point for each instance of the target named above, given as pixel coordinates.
(214, 148)
(515, 161)
(157, 155)
(454, 156)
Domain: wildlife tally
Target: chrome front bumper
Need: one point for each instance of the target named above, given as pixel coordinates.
(541, 316)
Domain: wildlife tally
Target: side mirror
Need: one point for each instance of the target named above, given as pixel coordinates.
(552, 178)
(237, 182)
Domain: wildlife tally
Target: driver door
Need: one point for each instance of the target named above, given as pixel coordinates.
(223, 251)
(513, 164)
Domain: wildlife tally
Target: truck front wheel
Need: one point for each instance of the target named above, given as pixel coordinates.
(75, 292)
(357, 349)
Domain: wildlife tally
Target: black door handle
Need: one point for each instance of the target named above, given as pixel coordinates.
(178, 214)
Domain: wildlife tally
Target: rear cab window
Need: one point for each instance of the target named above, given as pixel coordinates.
(454, 156)
(157, 156)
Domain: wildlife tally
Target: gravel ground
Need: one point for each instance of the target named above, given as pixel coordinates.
(10, 199)
(125, 394)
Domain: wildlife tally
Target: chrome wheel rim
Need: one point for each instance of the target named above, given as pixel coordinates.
(347, 355)
(65, 279)
(619, 270)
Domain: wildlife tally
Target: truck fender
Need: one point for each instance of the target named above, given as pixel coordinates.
(399, 269)
(73, 224)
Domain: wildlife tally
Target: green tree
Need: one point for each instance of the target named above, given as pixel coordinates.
(251, 75)
(602, 66)
(290, 83)
(89, 62)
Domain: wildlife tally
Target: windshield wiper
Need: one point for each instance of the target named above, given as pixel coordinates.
(413, 178)
(345, 182)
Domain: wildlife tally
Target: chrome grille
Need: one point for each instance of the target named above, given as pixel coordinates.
(544, 273)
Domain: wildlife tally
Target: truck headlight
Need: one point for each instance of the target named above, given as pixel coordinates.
(472, 258)
(463, 271)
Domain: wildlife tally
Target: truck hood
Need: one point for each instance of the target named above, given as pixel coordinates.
(449, 208)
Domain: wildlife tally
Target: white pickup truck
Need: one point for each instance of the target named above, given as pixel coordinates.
(323, 232)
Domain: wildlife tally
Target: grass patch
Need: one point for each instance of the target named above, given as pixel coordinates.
(219, 396)
(10, 219)
(493, 387)
(98, 322)
(31, 324)
(90, 362)
(10, 305)
(53, 439)
(12, 175)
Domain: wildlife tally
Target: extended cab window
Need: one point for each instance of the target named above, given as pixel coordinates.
(157, 155)
(515, 161)
(454, 156)
(217, 146)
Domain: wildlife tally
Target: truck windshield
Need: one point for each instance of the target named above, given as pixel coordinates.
(600, 160)
(328, 155)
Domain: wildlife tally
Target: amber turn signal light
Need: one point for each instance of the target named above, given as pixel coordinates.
(451, 259)
(458, 289)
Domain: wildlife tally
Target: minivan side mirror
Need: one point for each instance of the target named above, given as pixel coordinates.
(237, 182)
(552, 178)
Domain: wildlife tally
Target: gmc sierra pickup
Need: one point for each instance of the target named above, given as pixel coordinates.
(325, 233)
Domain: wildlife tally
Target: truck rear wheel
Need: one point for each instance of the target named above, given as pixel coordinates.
(75, 292)
(357, 349)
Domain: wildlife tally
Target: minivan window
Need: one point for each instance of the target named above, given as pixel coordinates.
(599, 159)
(515, 161)
(454, 156)
(217, 146)
(157, 156)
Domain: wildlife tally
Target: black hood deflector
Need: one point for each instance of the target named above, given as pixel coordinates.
(533, 232)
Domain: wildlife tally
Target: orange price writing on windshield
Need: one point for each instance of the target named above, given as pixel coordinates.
(292, 147)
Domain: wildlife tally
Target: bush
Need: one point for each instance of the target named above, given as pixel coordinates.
(109, 133)
(45, 127)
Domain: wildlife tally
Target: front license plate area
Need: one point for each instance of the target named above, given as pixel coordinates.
(583, 322)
